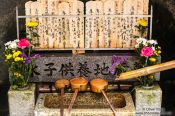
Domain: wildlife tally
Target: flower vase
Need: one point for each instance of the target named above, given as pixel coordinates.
(17, 81)
(147, 82)
(148, 100)
(22, 101)
(148, 87)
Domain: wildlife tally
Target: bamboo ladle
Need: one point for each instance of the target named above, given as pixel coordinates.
(77, 84)
(100, 86)
(60, 85)
(147, 70)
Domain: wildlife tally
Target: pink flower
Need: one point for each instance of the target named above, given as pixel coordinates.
(146, 51)
(23, 43)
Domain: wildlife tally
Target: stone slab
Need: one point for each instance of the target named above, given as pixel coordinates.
(148, 101)
(22, 102)
(53, 66)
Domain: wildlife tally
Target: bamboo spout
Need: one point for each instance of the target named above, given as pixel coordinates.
(147, 70)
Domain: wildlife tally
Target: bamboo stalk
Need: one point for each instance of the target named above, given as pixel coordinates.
(147, 70)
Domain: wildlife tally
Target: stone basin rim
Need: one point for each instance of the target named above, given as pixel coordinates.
(88, 100)
(129, 109)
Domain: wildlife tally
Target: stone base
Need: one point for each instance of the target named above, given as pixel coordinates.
(22, 102)
(148, 101)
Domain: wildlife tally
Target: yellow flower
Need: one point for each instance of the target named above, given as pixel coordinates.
(32, 24)
(143, 23)
(156, 53)
(17, 74)
(159, 52)
(16, 54)
(9, 56)
(18, 59)
(151, 77)
(152, 59)
(13, 51)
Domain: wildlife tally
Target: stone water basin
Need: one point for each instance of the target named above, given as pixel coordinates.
(86, 104)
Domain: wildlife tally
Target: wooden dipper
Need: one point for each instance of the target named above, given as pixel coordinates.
(77, 84)
(61, 84)
(100, 86)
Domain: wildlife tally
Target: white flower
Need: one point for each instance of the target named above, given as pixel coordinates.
(16, 40)
(152, 42)
(142, 41)
(153, 48)
(12, 44)
(8, 43)
(137, 46)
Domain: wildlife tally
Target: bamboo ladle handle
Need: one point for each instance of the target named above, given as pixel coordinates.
(112, 107)
(61, 103)
(72, 102)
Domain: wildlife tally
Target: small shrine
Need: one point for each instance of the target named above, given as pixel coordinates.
(93, 58)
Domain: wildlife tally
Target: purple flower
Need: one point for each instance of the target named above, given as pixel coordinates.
(116, 61)
(35, 56)
(112, 68)
(26, 59)
(23, 56)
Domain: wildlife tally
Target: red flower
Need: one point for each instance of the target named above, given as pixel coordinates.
(23, 43)
(146, 51)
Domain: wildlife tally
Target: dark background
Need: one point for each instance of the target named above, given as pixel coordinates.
(163, 31)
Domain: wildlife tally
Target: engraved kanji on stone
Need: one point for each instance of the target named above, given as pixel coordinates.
(50, 69)
(83, 69)
(34, 72)
(104, 70)
(67, 69)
